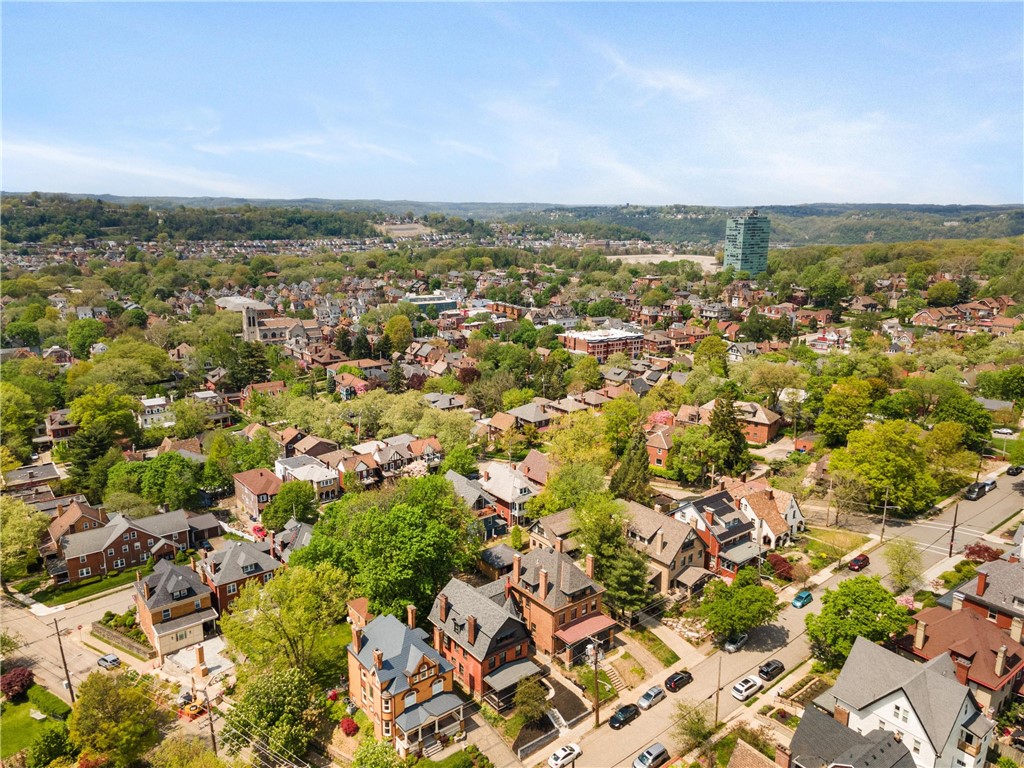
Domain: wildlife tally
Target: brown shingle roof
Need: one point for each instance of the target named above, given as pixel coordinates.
(259, 481)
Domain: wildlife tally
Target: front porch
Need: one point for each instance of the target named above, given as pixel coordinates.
(572, 641)
(420, 728)
(501, 684)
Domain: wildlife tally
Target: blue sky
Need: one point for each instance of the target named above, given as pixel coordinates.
(697, 103)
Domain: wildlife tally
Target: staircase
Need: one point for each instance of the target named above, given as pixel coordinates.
(556, 718)
(613, 676)
(431, 747)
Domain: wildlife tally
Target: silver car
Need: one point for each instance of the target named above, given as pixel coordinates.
(652, 697)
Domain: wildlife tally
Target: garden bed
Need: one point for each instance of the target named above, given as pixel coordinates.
(629, 670)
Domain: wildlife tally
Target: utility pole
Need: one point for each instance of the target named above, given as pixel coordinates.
(952, 532)
(828, 507)
(209, 719)
(885, 512)
(718, 686)
(597, 684)
(64, 661)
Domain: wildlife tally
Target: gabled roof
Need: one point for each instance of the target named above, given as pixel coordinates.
(936, 696)
(168, 579)
(402, 648)
(565, 579)
(821, 742)
(644, 525)
(1004, 587)
(493, 621)
(239, 560)
(259, 481)
(536, 466)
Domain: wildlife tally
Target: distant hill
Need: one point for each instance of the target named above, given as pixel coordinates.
(233, 218)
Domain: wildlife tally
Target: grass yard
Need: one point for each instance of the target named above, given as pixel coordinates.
(586, 677)
(655, 645)
(630, 670)
(55, 595)
(335, 640)
(832, 539)
(19, 727)
(725, 746)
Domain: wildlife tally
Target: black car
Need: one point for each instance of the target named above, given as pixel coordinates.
(1015, 470)
(624, 715)
(771, 669)
(975, 491)
(678, 680)
(205, 545)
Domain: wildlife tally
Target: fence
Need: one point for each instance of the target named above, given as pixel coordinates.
(533, 746)
(115, 638)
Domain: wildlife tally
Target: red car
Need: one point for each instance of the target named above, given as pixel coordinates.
(859, 563)
(259, 531)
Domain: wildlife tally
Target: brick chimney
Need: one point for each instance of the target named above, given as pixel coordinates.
(486, 475)
(1014, 558)
(1001, 661)
(659, 541)
(357, 638)
(558, 543)
(919, 634)
(410, 616)
(201, 669)
(378, 658)
(771, 493)
(471, 629)
(193, 562)
(709, 516)
(543, 583)
(590, 566)
(982, 583)
(442, 606)
(1015, 628)
(842, 715)
(781, 756)
(517, 567)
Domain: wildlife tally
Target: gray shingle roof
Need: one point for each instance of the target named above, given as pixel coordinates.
(644, 524)
(402, 649)
(565, 579)
(1004, 587)
(820, 741)
(239, 560)
(167, 579)
(493, 621)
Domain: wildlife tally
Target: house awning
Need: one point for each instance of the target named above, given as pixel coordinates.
(692, 575)
(430, 710)
(510, 674)
(594, 625)
(191, 620)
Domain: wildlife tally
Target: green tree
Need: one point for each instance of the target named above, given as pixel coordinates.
(22, 334)
(52, 743)
(950, 464)
(86, 447)
(568, 486)
(889, 457)
(361, 346)
(943, 294)
(770, 379)
(695, 728)
(82, 334)
(621, 417)
(115, 718)
(713, 353)
(128, 504)
(18, 418)
(191, 417)
(631, 480)
(106, 404)
(460, 459)
(726, 431)
(585, 374)
(220, 464)
(513, 398)
(287, 622)
(297, 499)
(280, 708)
(184, 752)
(171, 479)
(625, 580)
(580, 438)
(21, 526)
(857, 607)
(957, 406)
(247, 364)
(695, 452)
(397, 383)
(844, 410)
(377, 754)
(262, 451)
(905, 565)
(728, 609)
(530, 700)
(398, 330)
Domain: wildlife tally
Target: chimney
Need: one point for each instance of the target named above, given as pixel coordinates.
(471, 629)
(442, 606)
(410, 616)
(842, 715)
(543, 583)
(201, 669)
(590, 566)
(659, 541)
(736, 502)
(982, 583)
(721, 485)
(709, 516)
(781, 756)
(1014, 558)
(195, 568)
(357, 638)
(558, 543)
(743, 477)
(517, 568)
(60, 510)
(1001, 661)
(1015, 628)
(378, 658)
(487, 475)
(771, 493)
(919, 634)
(958, 601)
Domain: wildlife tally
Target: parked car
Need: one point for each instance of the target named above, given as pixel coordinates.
(746, 688)
(652, 757)
(975, 491)
(110, 661)
(185, 697)
(1017, 739)
(624, 715)
(565, 756)
(736, 642)
(990, 485)
(678, 680)
(1015, 470)
(205, 545)
(652, 697)
(1003, 431)
(771, 669)
(259, 531)
(859, 563)
(803, 598)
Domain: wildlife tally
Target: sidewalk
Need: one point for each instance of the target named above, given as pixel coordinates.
(688, 654)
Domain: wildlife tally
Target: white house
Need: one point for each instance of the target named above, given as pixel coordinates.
(775, 514)
(935, 715)
(156, 412)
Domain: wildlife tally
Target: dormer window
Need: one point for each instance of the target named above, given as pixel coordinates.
(249, 568)
(180, 594)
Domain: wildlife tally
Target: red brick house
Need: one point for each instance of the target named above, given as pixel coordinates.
(123, 543)
(995, 592)
(254, 489)
(174, 607)
(487, 644)
(227, 570)
(727, 533)
(76, 517)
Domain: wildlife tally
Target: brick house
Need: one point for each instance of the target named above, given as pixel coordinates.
(760, 425)
(727, 533)
(76, 517)
(227, 570)
(670, 546)
(659, 443)
(326, 482)
(509, 488)
(58, 427)
(987, 659)
(404, 686)
(995, 592)
(560, 603)
(601, 344)
(254, 489)
(174, 607)
(123, 543)
(483, 638)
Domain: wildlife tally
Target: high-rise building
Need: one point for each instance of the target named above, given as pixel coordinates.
(746, 243)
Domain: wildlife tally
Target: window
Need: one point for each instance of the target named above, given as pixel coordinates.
(492, 662)
(119, 563)
(149, 542)
(917, 747)
(232, 589)
(199, 605)
(385, 704)
(181, 635)
(83, 572)
(124, 548)
(387, 728)
(138, 546)
(991, 614)
(658, 461)
(83, 559)
(410, 699)
(110, 552)
(166, 614)
(266, 577)
(135, 534)
(438, 686)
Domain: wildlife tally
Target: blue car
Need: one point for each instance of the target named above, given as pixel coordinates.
(803, 598)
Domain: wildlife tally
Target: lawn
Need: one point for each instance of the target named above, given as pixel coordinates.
(833, 541)
(18, 727)
(655, 645)
(725, 746)
(55, 595)
(586, 677)
(335, 641)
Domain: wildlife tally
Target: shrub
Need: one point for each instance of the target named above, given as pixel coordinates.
(981, 553)
(349, 727)
(781, 566)
(47, 703)
(16, 682)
